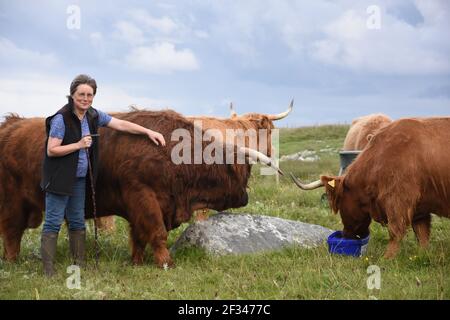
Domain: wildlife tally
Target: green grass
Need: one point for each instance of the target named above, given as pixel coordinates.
(292, 273)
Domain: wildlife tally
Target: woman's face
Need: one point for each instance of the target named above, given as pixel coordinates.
(83, 97)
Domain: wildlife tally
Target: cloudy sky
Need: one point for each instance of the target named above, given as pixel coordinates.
(339, 59)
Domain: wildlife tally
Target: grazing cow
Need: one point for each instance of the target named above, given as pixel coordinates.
(402, 177)
(136, 180)
(363, 129)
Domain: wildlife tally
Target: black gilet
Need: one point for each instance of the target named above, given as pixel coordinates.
(59, 173)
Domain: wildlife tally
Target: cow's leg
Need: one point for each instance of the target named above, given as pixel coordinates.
(397, 230)
(148, 224)
(13, 227)
(422, 229)
(11, 242)
(393, 246)
(137, 246)
(399, 216)
(106, 224)
(202, 215)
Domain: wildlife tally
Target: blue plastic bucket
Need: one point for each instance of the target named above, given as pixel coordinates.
(350, 247)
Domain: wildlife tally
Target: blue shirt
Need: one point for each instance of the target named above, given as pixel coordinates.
(58, 128)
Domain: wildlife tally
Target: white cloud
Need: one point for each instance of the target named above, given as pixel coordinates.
(350, 26)
(12, 54)
(396, 48)
(96, 37)
(162, 58)
(32, 95)
(436, 12)
(237, 32)
(164, 24)
(113, 99)
(335, 32)
(175, 26)
(201, 34)
(252, 28)
(98, 42)
(129, 32)
(151, 44)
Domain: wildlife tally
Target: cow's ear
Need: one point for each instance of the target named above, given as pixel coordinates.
(264, 122)
(334, 187)
(369, 137)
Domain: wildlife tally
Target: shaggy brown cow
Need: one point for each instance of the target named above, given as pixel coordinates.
(136, 180)
(402, 177)
(249, 121)
(363, 129)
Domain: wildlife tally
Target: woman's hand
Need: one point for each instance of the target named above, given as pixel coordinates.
(127, 126)
(156, 137)
(85, 142)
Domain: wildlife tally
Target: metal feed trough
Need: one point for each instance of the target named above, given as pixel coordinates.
(346, 158)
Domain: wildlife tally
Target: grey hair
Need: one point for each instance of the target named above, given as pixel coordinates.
(83, 79)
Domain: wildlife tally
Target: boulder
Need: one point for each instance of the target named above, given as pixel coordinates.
(228, 233)
(305, 156)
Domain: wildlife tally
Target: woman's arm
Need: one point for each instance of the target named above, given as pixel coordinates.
(126, 126)
(55, 149)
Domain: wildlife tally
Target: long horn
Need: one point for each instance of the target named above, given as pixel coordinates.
(309, 186)
(233, 113)
(283, 114)
(256, 155)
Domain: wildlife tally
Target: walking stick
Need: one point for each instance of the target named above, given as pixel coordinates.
(91, 178)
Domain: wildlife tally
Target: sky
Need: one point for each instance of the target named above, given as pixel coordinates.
(338, 59)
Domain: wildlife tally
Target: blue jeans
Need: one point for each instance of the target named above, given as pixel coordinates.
(72, 207)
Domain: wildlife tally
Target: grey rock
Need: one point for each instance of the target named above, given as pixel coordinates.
(305, 156)
(227, 233)
(329, 150)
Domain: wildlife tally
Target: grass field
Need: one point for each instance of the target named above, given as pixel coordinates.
(292, 273)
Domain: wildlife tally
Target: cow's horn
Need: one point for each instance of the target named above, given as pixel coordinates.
(283, 114)
(233, 113)
(309, 186)
(256, 155)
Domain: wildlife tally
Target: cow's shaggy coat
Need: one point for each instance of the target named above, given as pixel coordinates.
(363, 129)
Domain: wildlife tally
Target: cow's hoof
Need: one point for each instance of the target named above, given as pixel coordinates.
(389, 255)
(167, 264)
(138, 261)
(10, 258)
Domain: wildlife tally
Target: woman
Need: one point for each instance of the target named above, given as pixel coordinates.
(69, 135)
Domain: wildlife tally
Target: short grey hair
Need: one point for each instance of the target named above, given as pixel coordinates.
(83, 79)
